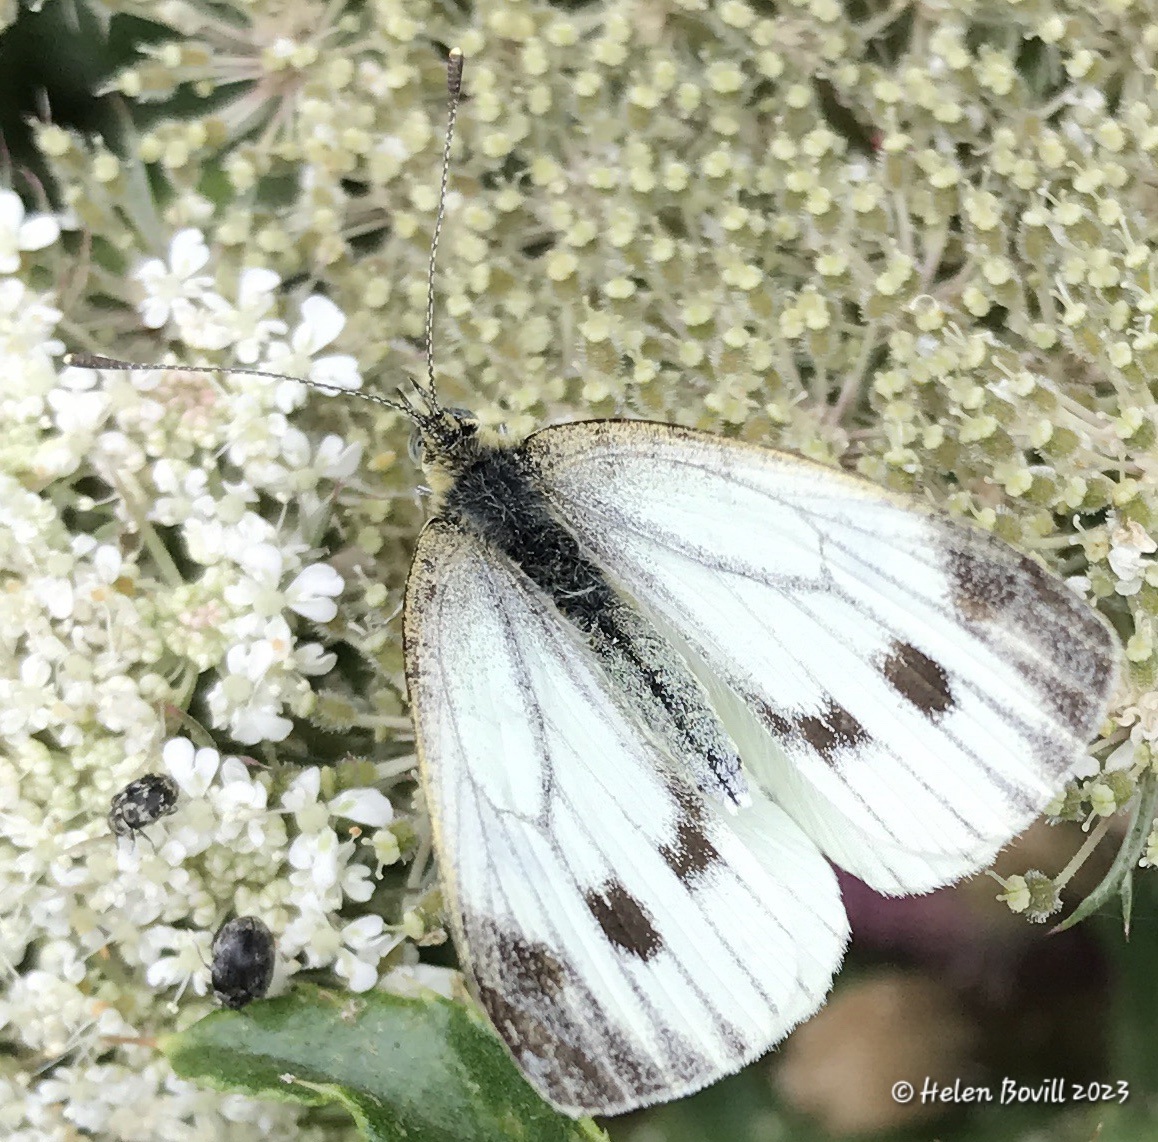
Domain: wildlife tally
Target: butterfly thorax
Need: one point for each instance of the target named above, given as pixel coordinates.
(491, 491)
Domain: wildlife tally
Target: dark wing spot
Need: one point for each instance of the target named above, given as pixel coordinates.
(691, 853)
(623, 920)
(918, 678)
(781, 726)
(833, 730)
(568, 1045)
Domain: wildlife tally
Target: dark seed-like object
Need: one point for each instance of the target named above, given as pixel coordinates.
(243, 955)
(142, 802)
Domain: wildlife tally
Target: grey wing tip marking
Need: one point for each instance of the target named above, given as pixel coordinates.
(571, 1050)
(1064, 649)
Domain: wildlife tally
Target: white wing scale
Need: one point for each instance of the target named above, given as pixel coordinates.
(910, 689)
(630, 941)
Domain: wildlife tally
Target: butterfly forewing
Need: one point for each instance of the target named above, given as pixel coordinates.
(630, 940)
(910, 689)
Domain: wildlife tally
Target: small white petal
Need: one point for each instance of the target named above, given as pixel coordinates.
(188, 252)
(303, 790)
(360, 976)
(336, 459)
(316, 610)
(39, 231)
(236, 658)
(357, 884)
(193, 771)
(295, 448)
(313, 660)
(366, 806)
(177, 754)
(1087, 766)
(108, 562)
(263, 561)
(322, 321)
(337, 372)
(1121, 758)
(307, 593)
(253, 726)
(11, 210)
(154, 312)
(35, 671)
(358, 933)
(259, 660)
(255, 282)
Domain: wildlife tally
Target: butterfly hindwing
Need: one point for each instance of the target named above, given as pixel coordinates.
(909, 688)
(629, 939)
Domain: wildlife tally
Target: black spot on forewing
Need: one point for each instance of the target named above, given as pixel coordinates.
(624, 920)
(918, 678)
(830, 733)
(691, 852)
(777, 723)
(1077, 705)
(832, 730)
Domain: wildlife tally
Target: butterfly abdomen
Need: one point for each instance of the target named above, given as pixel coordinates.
(495, 497)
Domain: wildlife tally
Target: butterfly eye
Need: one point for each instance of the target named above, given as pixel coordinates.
(415, 449)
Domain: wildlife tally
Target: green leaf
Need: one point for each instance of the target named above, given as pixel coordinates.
(422, 1069)
(1134, 845)
(1133, 1018)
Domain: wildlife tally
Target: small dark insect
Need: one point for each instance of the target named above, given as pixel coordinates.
(142, 802)
(243, 954)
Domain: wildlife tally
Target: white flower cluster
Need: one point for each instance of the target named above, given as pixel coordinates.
(263, 569)
(224, 814)
(155, 543)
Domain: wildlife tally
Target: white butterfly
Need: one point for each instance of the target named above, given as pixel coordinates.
(657, 678)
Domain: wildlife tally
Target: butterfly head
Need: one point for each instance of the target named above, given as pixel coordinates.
(444, 437)
(445, 442)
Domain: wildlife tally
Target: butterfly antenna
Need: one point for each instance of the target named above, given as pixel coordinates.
(96, 361)
(454, 64)
(428, 393)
